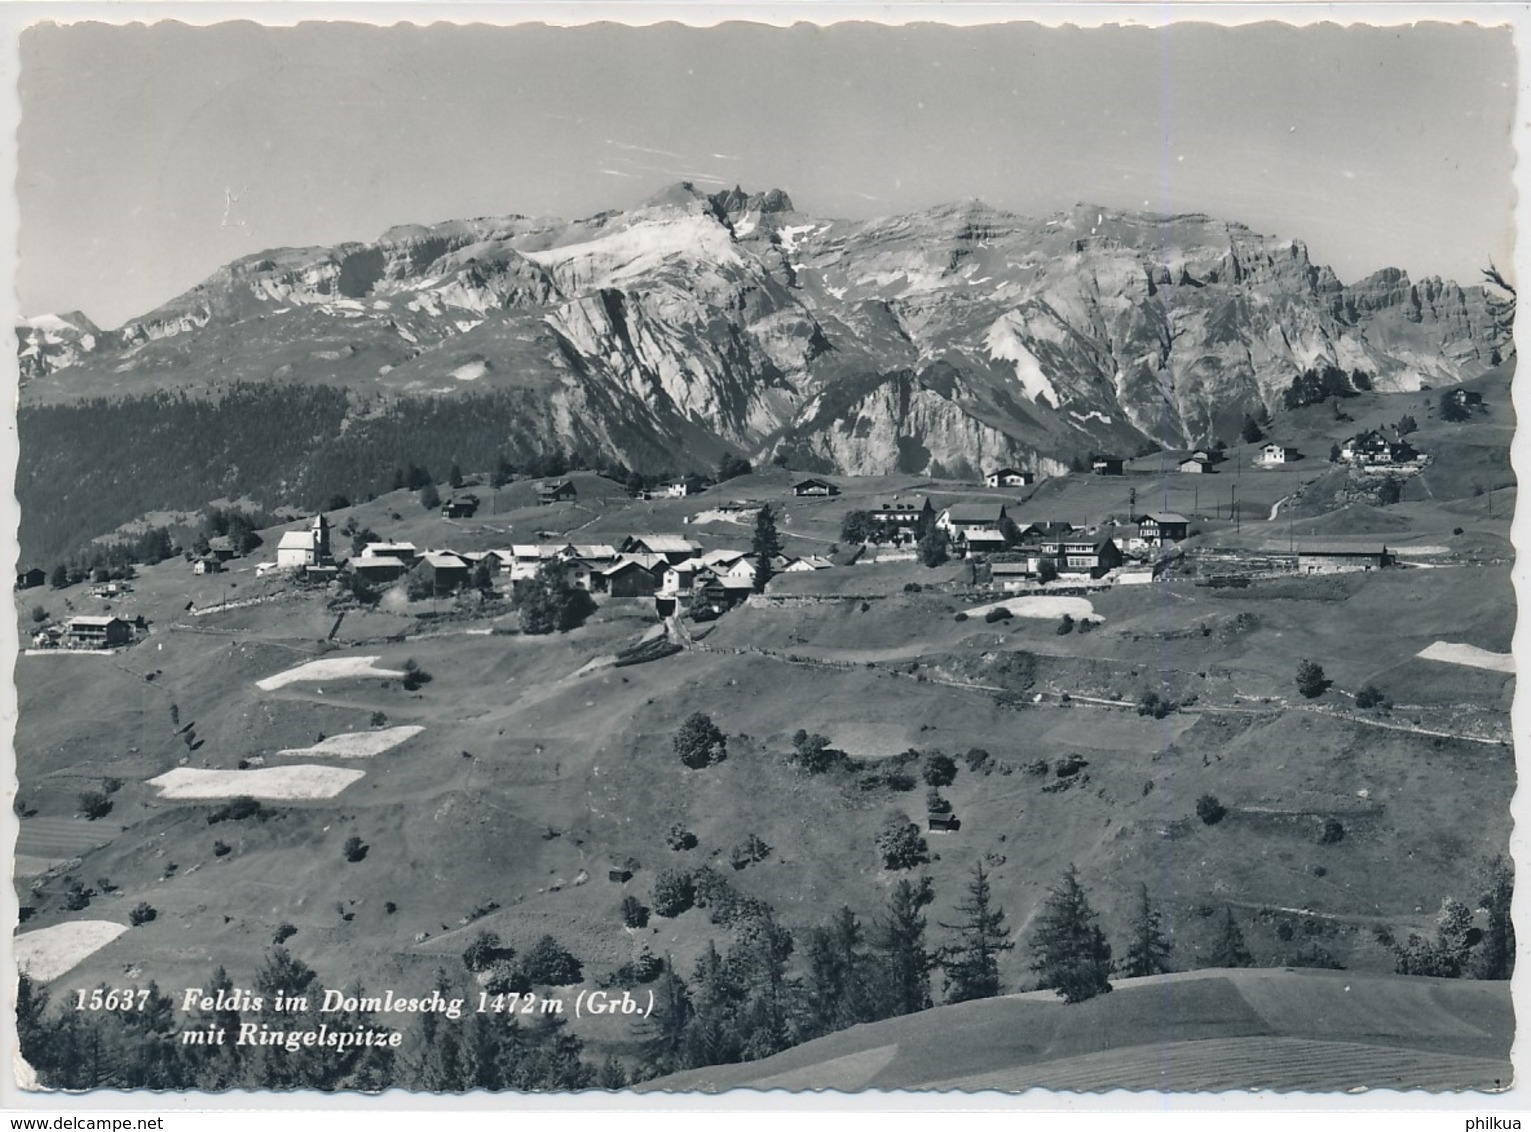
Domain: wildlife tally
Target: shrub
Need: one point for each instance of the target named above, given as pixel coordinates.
(415, 677)
(1070, 765)
(1333, 832)
(913, 587)
(936, 804)
(1372, 697)
(750, 851)
(549, 963)
(354, 849)
(699, 743)
(813, 752)
(484, 951)
(960, 617)
(221, 849)
(1310, 679)
(237, 809)
(674, 892)
(679, 838)
(1210, 810)
(390, 907)
(506, 977)
(900, 844)
(977, 759)
(283, 933)
(39, 614)
(77, 896)
(95, 804)
(939, 769)
(1152, 703)
(142, 914)
(1037, 768)
(1065, 626)
(379, 719)
(634, 914)
(1454, 530)
(998, 613)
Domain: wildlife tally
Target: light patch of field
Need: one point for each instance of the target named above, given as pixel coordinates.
(63, 837)
(1382, 1009)
(1044, 606)
(276, 783)
(1282, 1064)
(48, 953)
(32, 866)
(1113, 731)
(356, 744)
(1469, 655)
(854, 1071)
(331, 668)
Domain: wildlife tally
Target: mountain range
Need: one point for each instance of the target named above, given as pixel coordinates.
(698, 324)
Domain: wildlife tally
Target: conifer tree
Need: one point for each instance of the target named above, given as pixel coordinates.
(1229, 950)
(1070, 952)
(972, 963)
(898, 939)
(1148, 952)
(767, 545)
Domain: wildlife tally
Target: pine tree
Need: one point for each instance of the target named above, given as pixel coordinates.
(767, 546)
(1070, 952)
(1496, 881)
(664, 1028)
(1229, 950)
(972, 963)
(898, 939)
(1148, 952)
(840, 975)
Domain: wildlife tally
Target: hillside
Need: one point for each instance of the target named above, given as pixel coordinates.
(1206, 1031)
(694, 326)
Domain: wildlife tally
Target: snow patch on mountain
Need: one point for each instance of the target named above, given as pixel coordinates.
(1004, 344)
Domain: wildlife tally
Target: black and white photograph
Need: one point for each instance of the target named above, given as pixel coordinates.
(653, 558)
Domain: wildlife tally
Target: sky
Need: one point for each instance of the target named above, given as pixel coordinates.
(150, 155)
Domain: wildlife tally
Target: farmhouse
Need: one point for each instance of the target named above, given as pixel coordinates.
(459, 507)
(678, 578)
(1009, 477)
(1106, 465)
(557, 491)
(810, 488)
(378, 570)
(444, 570)
(98, 632)
(1089, 552)
(1041, 532)
(630, 577)
(311, 547)
(901, 522)
(31, 578)
(962, 519)
(674, 548)
(806, 564)
(221, 547)
(1194, 465)
(1340, 558)
(1159, 527)
(404, 552)
(1274, 454)
(1372, 449)
(984, 542)
(207, 564)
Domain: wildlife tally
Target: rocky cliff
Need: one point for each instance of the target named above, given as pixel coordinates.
(697, 324)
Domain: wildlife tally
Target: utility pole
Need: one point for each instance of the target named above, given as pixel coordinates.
(1233, 500)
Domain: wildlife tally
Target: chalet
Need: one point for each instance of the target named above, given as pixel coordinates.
(1372, 449)
(1045, 531)
(221, 547)
(110, 589)
(723, 558)
(1089, 552)
(1107, 465)
(31, 578)
(1274, 454)
(901, 522)
(445, 571)
(1341, 558)
(943, 823)
(98, 632)
(672, 547)
(1160, 527)
(629, 577)
(310, 547)
(557, 491)
(1009, 477)
(806, 564)
(1013, 575)
(983, 542)
(1194, 465)
(679, 577)
(812, 488)
(716, 595)
(207, 564)
(379, 570)
(961, 519)
(460, 507)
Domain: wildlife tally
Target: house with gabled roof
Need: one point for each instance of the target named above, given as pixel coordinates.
(960, 519)
(1160, 527)
(555, 491)
(814, 487)
(673, 547)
